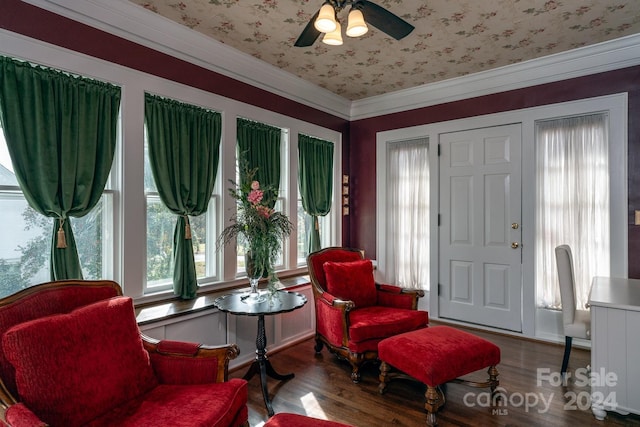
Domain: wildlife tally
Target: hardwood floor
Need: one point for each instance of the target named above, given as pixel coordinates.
(322, 389)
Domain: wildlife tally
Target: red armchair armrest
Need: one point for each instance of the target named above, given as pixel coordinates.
(184, 363)
(395, 296)
(335, 311)
(19, 415)
(337, 303)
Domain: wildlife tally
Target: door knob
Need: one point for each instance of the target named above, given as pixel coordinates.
(515, 225)
(515, 245)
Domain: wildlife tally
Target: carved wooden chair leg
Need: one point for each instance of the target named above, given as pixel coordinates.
(355, 374)
(356, 361)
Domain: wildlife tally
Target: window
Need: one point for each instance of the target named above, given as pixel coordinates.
(316, 176)
(407, 204)
(573, 202)
(264, 148)
(26, 247)
(160, 228)
(304, 223)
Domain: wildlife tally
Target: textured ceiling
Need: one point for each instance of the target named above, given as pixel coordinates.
(452, 37)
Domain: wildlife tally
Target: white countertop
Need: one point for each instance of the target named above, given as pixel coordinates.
(615, 292)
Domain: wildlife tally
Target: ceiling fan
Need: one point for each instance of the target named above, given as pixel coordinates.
(325, 20)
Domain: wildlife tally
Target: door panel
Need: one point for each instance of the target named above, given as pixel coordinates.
(480, 272)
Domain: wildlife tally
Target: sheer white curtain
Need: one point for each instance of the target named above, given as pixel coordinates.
(572, 205)
(408, 214)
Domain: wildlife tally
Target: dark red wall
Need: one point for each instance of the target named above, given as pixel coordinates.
(363, 139)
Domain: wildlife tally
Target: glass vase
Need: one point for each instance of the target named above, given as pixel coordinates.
(253, 274)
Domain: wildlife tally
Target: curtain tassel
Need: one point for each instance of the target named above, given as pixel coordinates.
(62, 240)
(316, 223)
(187, 228)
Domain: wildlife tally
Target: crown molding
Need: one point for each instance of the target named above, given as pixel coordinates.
(134, 23)
(131, 22)
(606, 56)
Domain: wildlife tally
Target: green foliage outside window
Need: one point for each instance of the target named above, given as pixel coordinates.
(160, 227)
(34, 253)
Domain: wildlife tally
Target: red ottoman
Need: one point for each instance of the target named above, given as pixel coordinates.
(437, 355)
(294, 420)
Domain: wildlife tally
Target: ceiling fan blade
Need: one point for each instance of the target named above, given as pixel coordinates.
(309, 34)
(384, 20)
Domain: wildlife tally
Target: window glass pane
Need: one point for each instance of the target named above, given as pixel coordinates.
(90, 240)
(199, 241)
(304, 224)
(572, 203)
(279, 207)
(7, 177)
(160, 228)
(207, 247)
(408, 228)
(149, 182)
(160, 225)
(25, 246)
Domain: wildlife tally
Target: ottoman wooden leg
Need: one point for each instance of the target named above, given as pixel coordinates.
(493, 378)
(433, 402)
(384, 372)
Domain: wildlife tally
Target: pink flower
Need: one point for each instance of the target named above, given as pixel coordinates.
(264, 211)
(255, 185)
(255, 196)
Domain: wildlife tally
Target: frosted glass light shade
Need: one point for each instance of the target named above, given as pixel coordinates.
(326, 20)
(334, 38)
(356, 26)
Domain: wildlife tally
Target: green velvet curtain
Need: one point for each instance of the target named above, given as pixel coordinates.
(184, 150)
(315, 178)
(260, 145)
(61, 134)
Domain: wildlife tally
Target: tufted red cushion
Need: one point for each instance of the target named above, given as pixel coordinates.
(438, 354)
(382, 322)
(352, 281)
(204, 405)
(72, 368)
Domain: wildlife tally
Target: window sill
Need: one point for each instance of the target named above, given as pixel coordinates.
(151, 312)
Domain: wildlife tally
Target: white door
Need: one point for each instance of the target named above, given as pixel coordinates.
(480, 272)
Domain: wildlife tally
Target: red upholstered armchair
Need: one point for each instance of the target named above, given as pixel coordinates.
(353, 312)
(71, 354)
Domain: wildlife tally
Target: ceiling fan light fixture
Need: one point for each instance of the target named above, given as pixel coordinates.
(334, 38)
(356, 26)
(326, 21)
